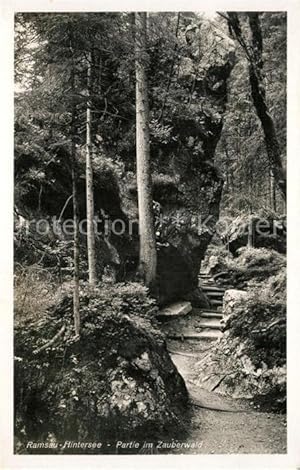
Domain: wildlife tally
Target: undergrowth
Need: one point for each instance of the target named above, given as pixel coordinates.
(250, 359)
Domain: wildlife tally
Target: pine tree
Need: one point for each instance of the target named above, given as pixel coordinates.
(254, 54)
(89, 181)
(148, 256)
(76, 250)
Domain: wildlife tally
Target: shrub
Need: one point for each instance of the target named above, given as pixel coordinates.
(115, 381)
(105, 298)
(261, 318)
(252, 265)
(34, 288)
(257, 257)
(250, 359)
(216, 259)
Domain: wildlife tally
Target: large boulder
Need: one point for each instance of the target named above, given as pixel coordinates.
(116, 382)
(230, 299)
(188, 217)
(186, 186)
(217, 259)
(252, 265)
(267, 232)
(42, 208)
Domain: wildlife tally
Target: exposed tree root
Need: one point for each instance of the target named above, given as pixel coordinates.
(52, 341)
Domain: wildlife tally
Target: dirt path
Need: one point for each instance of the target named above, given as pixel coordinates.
(219, 432)
(239, 429)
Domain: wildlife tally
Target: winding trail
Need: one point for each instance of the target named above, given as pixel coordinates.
(219, 424)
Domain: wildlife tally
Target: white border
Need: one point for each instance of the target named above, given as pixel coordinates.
(9, 461)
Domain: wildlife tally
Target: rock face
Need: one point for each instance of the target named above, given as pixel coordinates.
(231, 297)
(249, 361)
(117, 381)
(191, 208)
(267, 233)
(186, 186)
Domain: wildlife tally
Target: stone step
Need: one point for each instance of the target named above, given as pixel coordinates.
(211, 335)
(177, 309)
(211, 293)
(216, 303)
(216, 315)
(209, 323)
(213, 289)
(213, 298)
(210, 310)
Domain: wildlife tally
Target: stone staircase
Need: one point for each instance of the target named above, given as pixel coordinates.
(196, 324)
(213, 292)
(210, 319)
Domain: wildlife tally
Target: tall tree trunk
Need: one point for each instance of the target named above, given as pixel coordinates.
(227, 168)
(148, 256)
(89, 182)
(76, 302)
(272, 145)
(250, 242)
(273, 203)
(258, 92)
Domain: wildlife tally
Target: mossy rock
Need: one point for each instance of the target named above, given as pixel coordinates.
(116, 382)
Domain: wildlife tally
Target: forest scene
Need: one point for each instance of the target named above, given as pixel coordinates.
(150, 233)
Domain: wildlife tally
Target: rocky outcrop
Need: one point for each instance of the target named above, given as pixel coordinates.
(249, 361)
(116, 382)
(188, 215)
(186, 186)
(230, 299)
(266, 232)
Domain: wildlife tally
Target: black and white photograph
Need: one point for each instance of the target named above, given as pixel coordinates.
(150, 233)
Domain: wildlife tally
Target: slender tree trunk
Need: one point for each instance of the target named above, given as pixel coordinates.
(272, 192)
(148, 256)
(258, 92)
(76, 302)
(250, 210)
(89, 182)
(250, 243)
(227, 168)
(272, 145)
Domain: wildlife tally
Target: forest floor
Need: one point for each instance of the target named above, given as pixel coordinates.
(242, 428)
